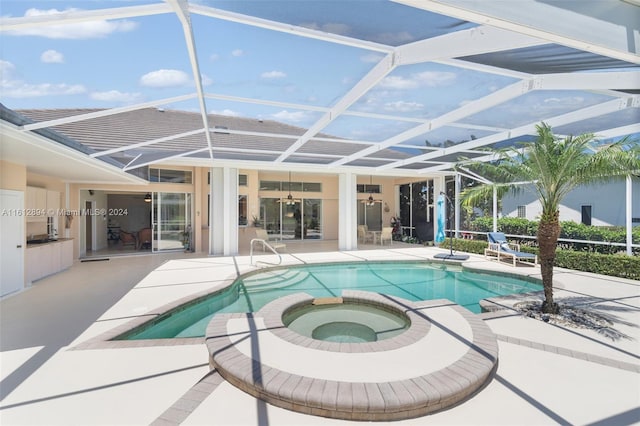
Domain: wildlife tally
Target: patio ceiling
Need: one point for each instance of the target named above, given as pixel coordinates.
(378, 87)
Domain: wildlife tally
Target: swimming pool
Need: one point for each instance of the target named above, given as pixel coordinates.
(410, 280)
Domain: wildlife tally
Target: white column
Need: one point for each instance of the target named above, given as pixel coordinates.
(629, 214)
(456, 202)
(495, 209)
(223, 232)
(348, 212)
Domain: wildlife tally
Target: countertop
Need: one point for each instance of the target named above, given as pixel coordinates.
(59, 240)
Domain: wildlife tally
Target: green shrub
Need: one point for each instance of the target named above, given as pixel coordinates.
(615, 265)
(569, 230)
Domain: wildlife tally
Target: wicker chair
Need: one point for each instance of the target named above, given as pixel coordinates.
(128, 238)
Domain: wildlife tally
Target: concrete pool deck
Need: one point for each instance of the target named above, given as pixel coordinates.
(546, 374)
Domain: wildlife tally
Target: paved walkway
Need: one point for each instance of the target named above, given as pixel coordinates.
(546, 374)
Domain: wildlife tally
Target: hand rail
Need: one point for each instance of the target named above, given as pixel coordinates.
(264, 244)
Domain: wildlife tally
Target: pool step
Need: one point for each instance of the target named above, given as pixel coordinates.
(277, 279)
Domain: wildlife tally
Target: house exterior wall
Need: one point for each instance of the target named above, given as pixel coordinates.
(79, 194)
(13, 176)
(607, 201)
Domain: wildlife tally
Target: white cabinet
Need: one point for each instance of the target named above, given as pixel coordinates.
(32, 260)
(41, 203)
(66, 254)
(46, 259)
(36, 204)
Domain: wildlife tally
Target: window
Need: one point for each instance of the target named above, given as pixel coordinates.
(272, 185)
(170, 176)
(586, 215)
(242, 210)
(312, 187)
(369, 189)
(522, 211)
(269, 185)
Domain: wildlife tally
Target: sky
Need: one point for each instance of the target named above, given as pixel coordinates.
(105, 64)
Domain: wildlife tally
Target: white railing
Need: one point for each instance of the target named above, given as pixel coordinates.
(264, 244)
(560, 240)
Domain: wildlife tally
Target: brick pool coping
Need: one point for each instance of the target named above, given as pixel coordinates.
(372, 401)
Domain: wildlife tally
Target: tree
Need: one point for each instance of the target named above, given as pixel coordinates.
(554, 166)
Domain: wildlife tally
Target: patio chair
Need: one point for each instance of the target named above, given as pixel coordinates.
(144, 238)
(364, 235)
(128, 238)
(386, 235)
(499, 246)
(264, 236)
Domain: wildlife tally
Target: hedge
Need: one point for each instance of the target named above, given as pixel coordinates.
(569, 229)
(615, 265)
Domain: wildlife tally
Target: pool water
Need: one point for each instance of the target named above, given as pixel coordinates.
(345, 322)
(409, 280)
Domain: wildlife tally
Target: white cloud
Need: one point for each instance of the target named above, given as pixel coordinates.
(214, 57)
(227, 112)
(393, 39)
(52, 57)
(165, 78)
(116, 96)
(402, 106)
(237, 52)
(6, 70)
(434, 79)
(12, 87)
(397, 82)
(334, 28)
(79, 30)
(206, 80)
(271, 75)
(292, 117)
(423, 79)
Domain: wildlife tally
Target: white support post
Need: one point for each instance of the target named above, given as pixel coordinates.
(495, 209)
(223, 231)
(348, 213)
(456, 203)
(629, 214)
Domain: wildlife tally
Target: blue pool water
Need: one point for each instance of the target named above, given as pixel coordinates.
(410, 280)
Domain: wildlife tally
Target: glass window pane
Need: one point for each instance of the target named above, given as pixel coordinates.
(295, 186)
(312, 219)
(269, 185)
(270, 215)
(242, 180)
(312, 187)
(171, 176)
(242, 210)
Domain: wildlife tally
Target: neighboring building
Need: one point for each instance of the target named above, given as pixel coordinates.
(598, 205)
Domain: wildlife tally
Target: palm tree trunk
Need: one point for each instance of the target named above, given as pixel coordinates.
(548, 233)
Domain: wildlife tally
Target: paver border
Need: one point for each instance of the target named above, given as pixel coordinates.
(382, 401)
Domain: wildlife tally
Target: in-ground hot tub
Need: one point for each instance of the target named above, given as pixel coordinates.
(420, 370)
(333, 320)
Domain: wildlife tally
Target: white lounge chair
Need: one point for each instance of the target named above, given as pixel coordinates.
(499, 246)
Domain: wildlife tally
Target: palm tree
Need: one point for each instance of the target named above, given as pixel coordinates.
(554, 166)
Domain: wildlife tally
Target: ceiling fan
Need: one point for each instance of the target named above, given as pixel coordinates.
(370, 202)
(290, 201)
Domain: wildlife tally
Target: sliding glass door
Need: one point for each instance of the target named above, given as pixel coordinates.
(171, 218)
(292, 219)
